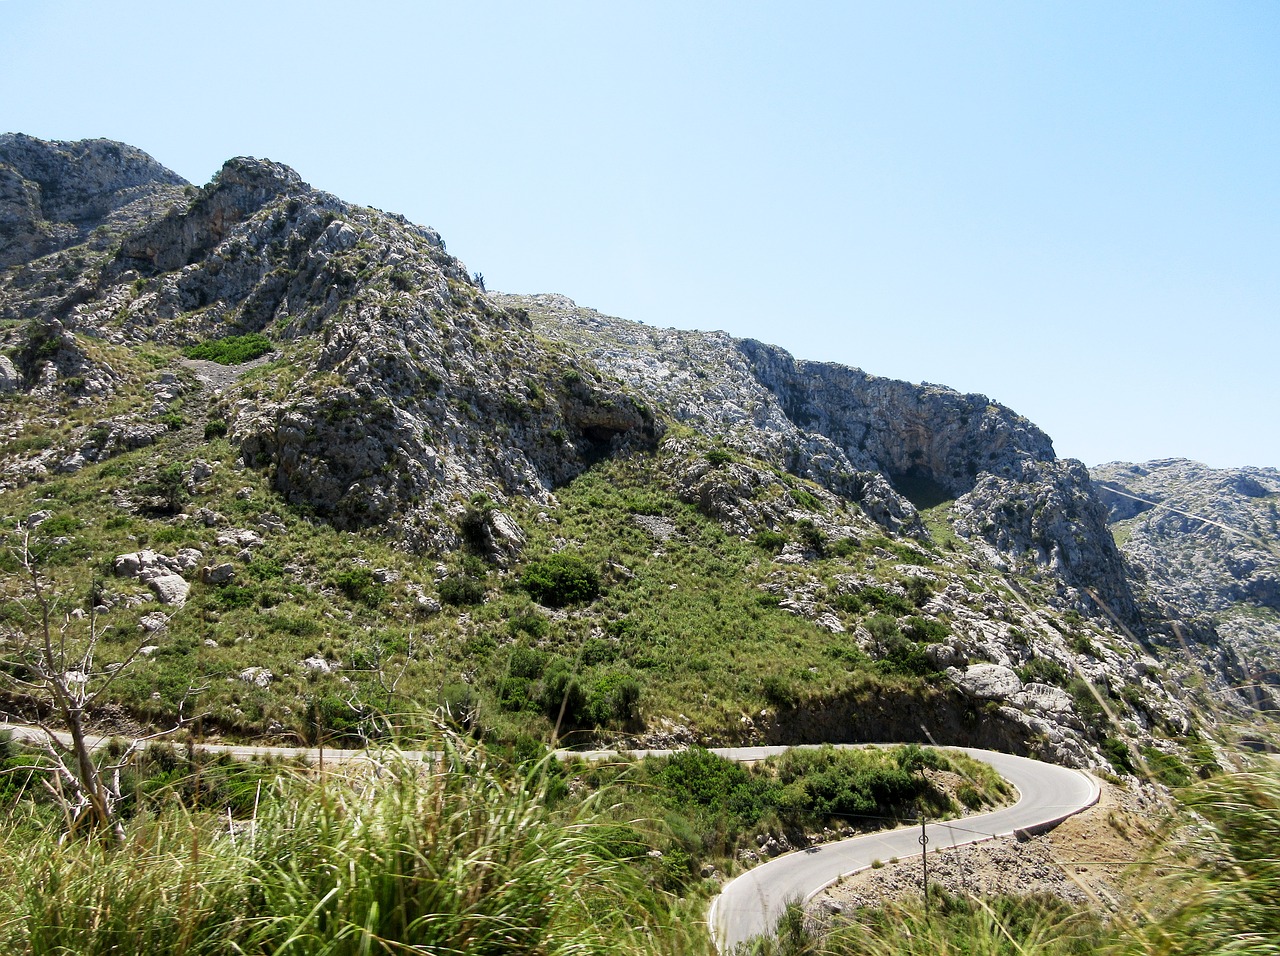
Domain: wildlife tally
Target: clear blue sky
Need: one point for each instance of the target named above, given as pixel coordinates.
(1072, 207)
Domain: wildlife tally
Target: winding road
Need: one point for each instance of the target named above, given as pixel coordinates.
(751, 904)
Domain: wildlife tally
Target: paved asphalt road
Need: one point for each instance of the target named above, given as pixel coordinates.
(751, 904)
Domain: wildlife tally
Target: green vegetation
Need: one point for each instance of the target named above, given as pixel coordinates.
(449, 857)
(771, 541)
(471, 853)
(461, 590)
(701, 809)
(231, 350)
(955, 925)
(358, 584)
(560, 580)
(630, 628)
(1043, 670)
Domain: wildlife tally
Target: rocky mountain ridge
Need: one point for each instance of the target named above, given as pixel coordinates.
(54, 198)
(909, 530)
(1204, 544)
(876, 441)
(409, 351)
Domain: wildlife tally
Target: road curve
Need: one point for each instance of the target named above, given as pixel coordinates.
(751, 904)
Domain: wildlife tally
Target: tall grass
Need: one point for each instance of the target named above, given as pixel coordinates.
(1227, 893)
(447, 857)
(1005, 926)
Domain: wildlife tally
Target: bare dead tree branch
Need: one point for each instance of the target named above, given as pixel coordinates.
(53, 663)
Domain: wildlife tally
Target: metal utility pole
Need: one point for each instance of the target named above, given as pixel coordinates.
(924, 864)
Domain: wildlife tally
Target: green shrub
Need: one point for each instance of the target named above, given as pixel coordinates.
(563, 698)
(843, 548)
(812, 536)
(1118, 753)
(1043, 670)
(533, 624)
(214, 428)
(527, 662)
(264, 569)
(969, 795)
(459, 703)
(1167, 768)
(772, 541)
(170, 484)
(614, 698)
(913, 758)
(698, 778)
(925, 630)
(1090, 702)
(875, 597)
(879, 598)
(296, 622)
(231, 350)
(1081, 644)
(805, 500)
(596, 650)
(357, 584)
(514, 694)
(719, 456)
(230, 597)
(919, 590)
(827, 782)
(619, 841)
(883, 627)
(560, 580)
(779, 692)
(329, 718)
(906, 657)
(461, 590)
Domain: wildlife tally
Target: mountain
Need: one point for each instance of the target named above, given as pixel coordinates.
(334, 479)
(1201, 544)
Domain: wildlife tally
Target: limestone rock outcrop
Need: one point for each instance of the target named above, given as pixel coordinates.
(886, 444)
(1203, 548)
(53, 195)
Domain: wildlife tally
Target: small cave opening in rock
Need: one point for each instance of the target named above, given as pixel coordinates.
(596, 443)
(921, 489)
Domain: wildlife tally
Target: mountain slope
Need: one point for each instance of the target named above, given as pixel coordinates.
(1203, 544)
(876, 441)
(548, 520)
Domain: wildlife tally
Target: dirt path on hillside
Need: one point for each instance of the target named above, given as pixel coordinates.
(218, 376)
(211, 378)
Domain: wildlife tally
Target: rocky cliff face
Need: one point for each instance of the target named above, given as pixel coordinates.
(414, 394)
(930, 529)
(54, 195)
(1203, 546)
(885, 444)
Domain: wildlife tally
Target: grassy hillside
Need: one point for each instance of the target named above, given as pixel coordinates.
(629, 610)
